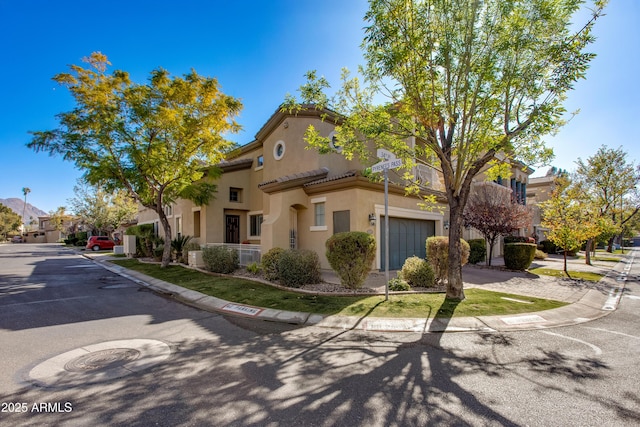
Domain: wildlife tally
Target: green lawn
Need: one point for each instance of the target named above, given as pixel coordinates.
(478, 302)
(604, 256)
(591, 277)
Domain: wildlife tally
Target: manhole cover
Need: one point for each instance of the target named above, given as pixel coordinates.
(103, 359)
(99, 362)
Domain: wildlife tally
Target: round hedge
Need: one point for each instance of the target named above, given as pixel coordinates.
(478, 251)
(519, 256)
(350, 255)
(417, 272)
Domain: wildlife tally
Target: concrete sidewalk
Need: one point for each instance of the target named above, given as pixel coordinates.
(587, 300)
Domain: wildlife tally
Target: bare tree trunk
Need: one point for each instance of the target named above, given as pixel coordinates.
(166, 254)
(565, 264)
(492, 242)
(587, 252)
(455, 286)
(610, 245)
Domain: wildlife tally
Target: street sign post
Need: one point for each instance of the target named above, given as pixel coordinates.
(385, 154)
(385, 165)
(390, 162)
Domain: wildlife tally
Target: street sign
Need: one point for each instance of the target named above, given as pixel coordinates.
(387, 164)
(385, 154)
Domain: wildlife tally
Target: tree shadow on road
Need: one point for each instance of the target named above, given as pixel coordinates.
(300, 376)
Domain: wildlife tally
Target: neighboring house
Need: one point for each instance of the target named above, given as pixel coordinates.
(540, 190)
(517, 186)
(47, 232)
(274, 192)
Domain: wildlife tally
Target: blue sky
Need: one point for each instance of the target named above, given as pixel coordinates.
(259, 52)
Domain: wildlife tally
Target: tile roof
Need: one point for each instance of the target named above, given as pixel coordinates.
(294, 180)
(347, 174)
(238, 164)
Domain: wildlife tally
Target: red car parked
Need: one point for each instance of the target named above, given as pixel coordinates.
(98, 243)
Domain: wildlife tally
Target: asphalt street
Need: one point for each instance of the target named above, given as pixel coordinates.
(57, 307)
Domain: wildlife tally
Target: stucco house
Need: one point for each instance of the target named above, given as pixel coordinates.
(540, 190)
(47, 232)
(275, 192)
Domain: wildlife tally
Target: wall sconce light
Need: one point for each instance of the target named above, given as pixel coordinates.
(372, 219)
(446, 225)
(285, 124)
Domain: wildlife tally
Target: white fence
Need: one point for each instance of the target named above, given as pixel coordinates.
(246, 253)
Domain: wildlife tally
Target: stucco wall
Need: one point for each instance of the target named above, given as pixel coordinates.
(360, 202)
(297, 158)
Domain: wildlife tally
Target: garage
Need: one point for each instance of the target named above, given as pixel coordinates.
(407, 237)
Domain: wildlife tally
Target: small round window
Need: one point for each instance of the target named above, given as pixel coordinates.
(278, 150)
(333, 142)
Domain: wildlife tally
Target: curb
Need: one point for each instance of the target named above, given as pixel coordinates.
(593, 305)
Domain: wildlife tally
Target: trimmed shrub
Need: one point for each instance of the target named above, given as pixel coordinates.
(220, 259)
(76, 239)
(417, 272)
(350, 255)
(438, 255)
(519, 256)
(518, 239)
(540, 255)
(548, 246)
(478, 251)
(298, 267)
(270, 262)
(397, 284)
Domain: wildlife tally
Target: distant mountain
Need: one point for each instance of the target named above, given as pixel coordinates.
(30, 211)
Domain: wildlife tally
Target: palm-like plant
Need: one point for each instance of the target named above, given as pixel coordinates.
(178, 244)
(25, 191)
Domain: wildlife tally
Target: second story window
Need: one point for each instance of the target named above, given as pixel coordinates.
(278, 150)
(333, 142)
(235, 194)
(260, 160)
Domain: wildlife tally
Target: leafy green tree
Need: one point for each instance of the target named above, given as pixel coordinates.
(608, 182)
(58, 217)
(152, 140)
(469, 84)
(631, 228)
(570, 221)
(101, 211)
(9, 221)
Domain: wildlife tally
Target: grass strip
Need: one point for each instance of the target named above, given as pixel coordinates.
(584, 275)
(478, 302)
(602, 258)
